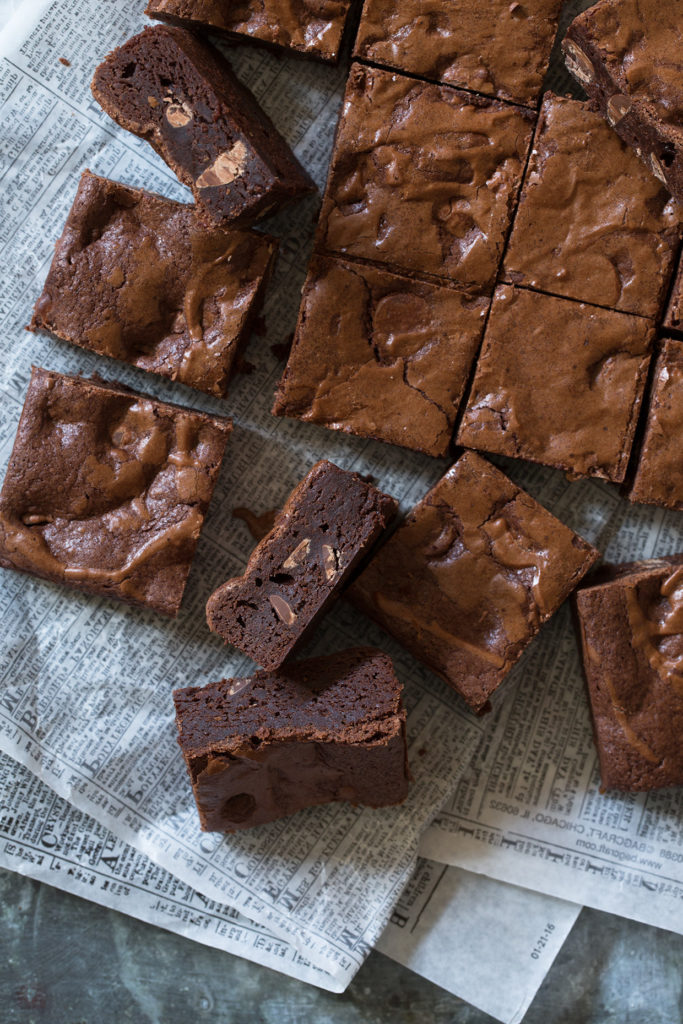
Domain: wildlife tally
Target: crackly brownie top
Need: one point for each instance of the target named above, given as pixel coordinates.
(315, 27)
(107, 488)
(423, 177)
(140, 278)
(502, 52)
(558, 382)
(469, 577)
(592, 223)
(632, 632)
(659, 476)
(380, 355)
(352, 697)
(640, 43)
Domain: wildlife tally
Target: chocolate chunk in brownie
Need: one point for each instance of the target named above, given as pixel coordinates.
(659, 474)
(503, 51)
(592, 223)
(311, 28)
(380, 355)
(627, 55)
(312, 732)
(423, 177)
(180, 94)
(327, 525)
(631, 630)
(467, 580)
(106, 489)
(141, 278)
(558, 382)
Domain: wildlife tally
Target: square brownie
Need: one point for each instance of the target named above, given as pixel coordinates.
(311, 29)
(592, 223)
(315, 731)
(467, 580)
(658, 478)
(106, 489)
(627, 56)
(327, 526)
(141, 278)
(558, 382)
(631, 631)
(181, 95)
(423, 177)
(380, 355)
(502, 51)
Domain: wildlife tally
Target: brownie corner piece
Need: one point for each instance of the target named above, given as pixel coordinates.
(632, 648)
(106, 489)
(558, 382)
(467, 580)
(141, 278)
(308, 30)
(181, 95)
(326, 729)
(399, 359)
(658, 477)
(326, 527)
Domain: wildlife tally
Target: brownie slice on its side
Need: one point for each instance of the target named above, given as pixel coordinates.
(141, 278)
(628, 56)
(313, 732)
(328, 524)
(467, 580)
(106, 489)
(631, 632)
(180, 94)
(308, 29)
(658, 478)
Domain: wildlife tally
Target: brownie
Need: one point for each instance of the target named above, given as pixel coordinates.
(558, 382)
(673, 319)
(327, 525)
(503, 50)
(311, 28)
(628, 56)
(658, 478)
(592, 223)
(181, 95)
(141, 278)
(467, 580)
(106, 489)
(423, 177)
(631, 629)
(310, 733)
(380, 355)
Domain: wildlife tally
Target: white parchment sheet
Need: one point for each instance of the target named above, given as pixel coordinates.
(486, 942)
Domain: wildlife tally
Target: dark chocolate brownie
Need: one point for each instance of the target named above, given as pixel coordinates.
(106, 489)
(327, 525)
(592, 223)
(180, 94)
(312, 28)
(659, 475)
(423, 177)
(314, 731)
(140, 278)
(380, 355)
(466, 582)
(674, 314)
(628, 56)
(558, 382)
(631, 629)
(502, 50)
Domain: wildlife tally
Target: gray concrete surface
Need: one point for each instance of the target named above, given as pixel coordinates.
(66, 961)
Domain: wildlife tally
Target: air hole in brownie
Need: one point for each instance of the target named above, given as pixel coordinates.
(129, 70)
(239, 807)
(668, 155)
(240, 621)
(281, 577)
(255, 741)
(324, 527)
(258, 582)
(165, 83)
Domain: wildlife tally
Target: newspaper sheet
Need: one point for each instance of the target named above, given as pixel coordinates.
(486, 942)
(85, 683)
